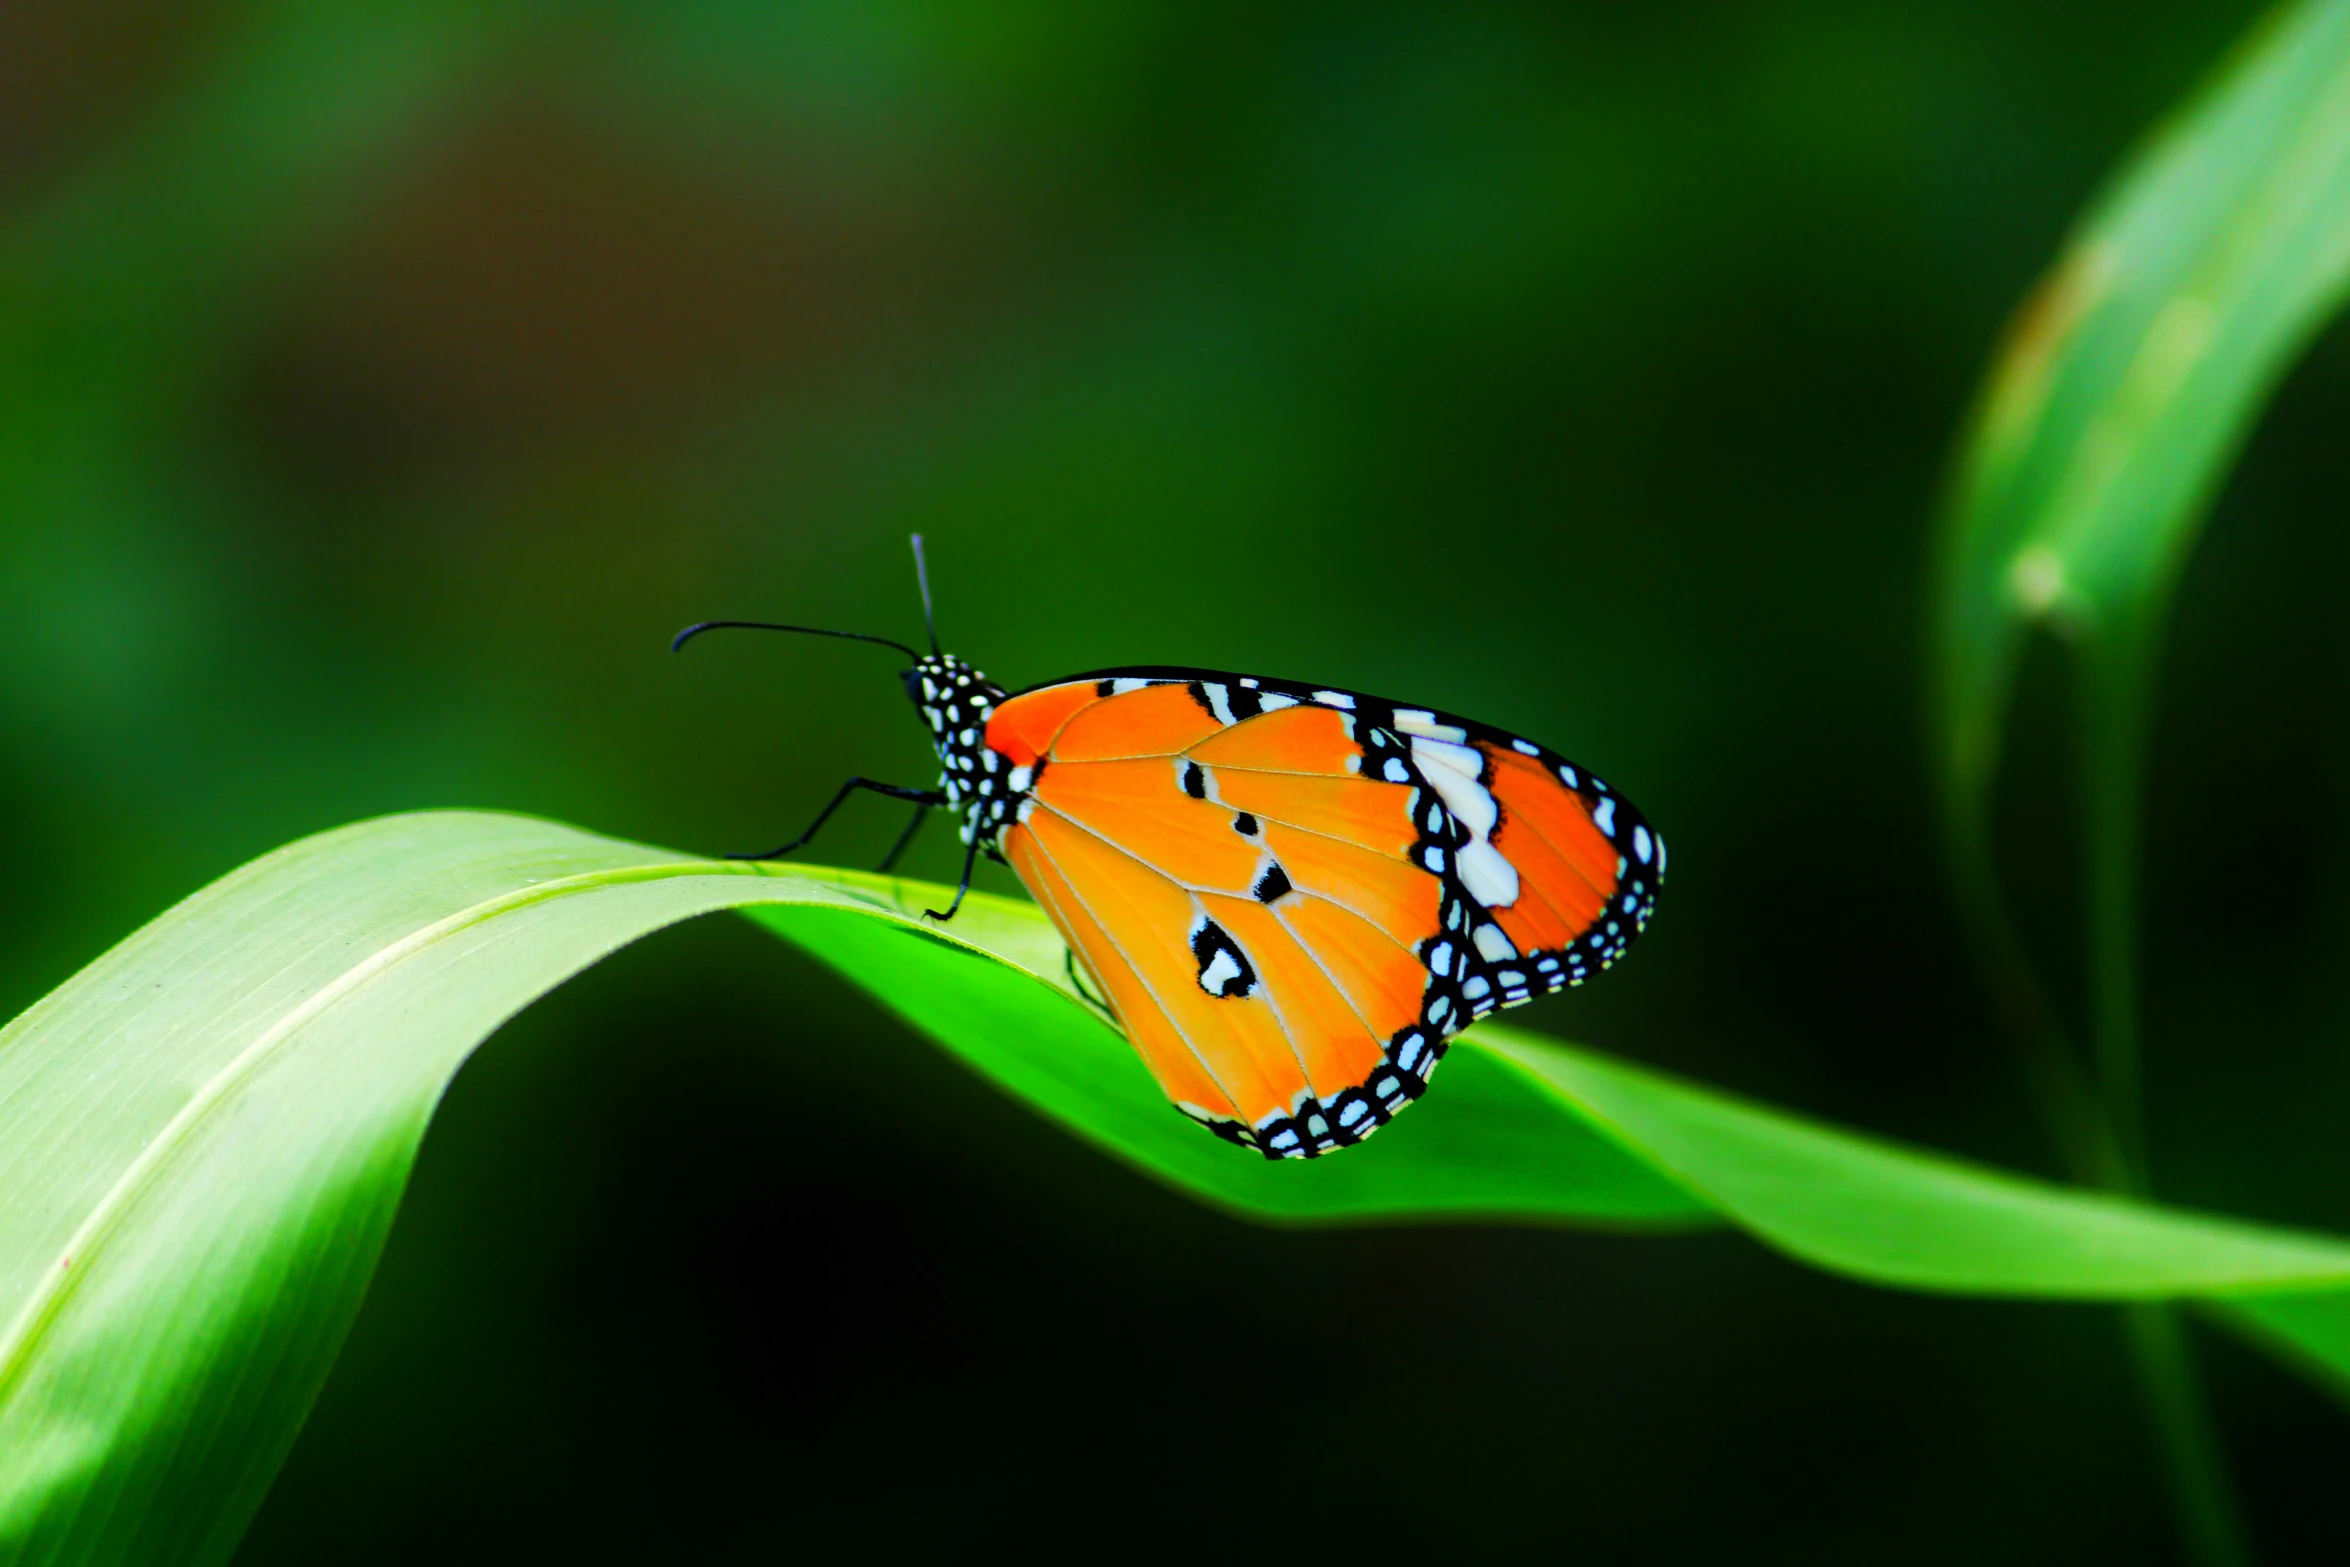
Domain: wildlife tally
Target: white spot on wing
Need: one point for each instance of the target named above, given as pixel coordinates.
(1488, 875)
(1493, 945)
(1220, 972)
(1640, 844)
(1525, 748)
(1603, 815)
(1462, 793)
(1397, 771)
(1441, 753)
(1121, 687)
(1272, 701)
(1419, 721)
(1335, 699)
(1219, 701)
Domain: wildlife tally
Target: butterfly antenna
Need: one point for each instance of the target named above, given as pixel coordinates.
(689, 633)
(922, 576)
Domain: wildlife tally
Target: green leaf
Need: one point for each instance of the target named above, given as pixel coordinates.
(2126, 386)
(1636, 1146)
(204, 1136)
(2130, 378)
(1499, 1149)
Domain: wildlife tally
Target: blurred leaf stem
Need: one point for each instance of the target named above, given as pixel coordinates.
(2117, 674)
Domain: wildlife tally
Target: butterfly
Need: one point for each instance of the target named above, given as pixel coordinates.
(1288, 896)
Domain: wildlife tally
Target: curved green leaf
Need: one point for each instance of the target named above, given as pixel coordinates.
(1636, 1146)
(2121, 396)
(204, 1135)
(2129, 380)
(1498, 1150)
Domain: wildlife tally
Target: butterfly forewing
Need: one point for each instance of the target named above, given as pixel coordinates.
(1292, 896)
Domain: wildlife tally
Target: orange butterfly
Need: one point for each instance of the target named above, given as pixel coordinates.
(1289, 896)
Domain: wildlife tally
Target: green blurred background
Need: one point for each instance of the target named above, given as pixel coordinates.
(381, 383)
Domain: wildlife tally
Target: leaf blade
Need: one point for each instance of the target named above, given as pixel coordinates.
(150, 1386)
(2133, 373)
(2109, 421)
(1499, 1152)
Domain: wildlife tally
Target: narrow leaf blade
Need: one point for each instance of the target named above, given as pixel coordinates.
(2129, 380)
(205, 1133)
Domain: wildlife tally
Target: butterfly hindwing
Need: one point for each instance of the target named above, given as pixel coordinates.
(1293, 897)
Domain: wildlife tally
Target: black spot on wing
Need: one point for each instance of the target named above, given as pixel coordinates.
(1224, 970)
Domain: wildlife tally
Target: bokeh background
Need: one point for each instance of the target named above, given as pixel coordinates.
(381, 383)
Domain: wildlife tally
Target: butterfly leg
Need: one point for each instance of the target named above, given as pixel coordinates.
(926, 798)
(922, 810)
(1084, 990)
(970, 858)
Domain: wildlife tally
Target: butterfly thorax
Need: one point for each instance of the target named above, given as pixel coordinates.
(955, 701)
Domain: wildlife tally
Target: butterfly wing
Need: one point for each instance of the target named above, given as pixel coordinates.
(1292, 897)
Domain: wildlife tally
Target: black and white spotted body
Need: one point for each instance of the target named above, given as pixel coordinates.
(981, 786)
